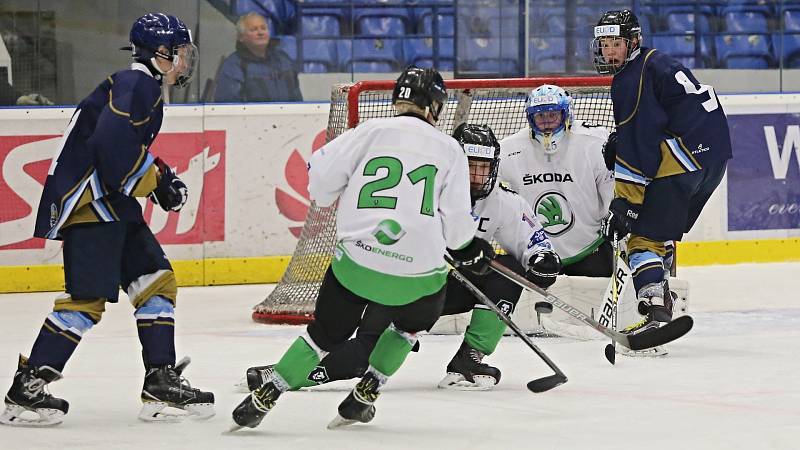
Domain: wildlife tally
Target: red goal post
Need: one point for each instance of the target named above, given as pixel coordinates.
(499, 103)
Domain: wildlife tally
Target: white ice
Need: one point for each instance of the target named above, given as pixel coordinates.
(732, 383)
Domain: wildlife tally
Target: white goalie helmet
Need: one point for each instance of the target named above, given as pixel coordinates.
(549, 113)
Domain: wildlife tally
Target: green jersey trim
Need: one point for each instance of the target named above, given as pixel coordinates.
(583, 253)
(383, 288)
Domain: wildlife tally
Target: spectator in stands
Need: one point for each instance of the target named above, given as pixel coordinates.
(258, 71)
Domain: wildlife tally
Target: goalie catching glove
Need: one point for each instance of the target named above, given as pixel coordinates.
(474, 257)
(170, 192)
(543, 267)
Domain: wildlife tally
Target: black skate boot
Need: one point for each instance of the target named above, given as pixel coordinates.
(251, 411)
(165, 386)
(467, 371)
(655, 302)
(258, 376)
(359, 404)
(28, 393)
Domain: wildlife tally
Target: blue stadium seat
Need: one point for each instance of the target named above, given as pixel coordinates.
(491, 55)
(320, 26)
(273, 10)
(320, 8)
(386, 54)
(388, 21)
(687, 22)
(746, 22)
(489, 22)
(445, 20)
(682, 48)
(288, 44)
(319, 56)
(791, 19)
(419, 51)
(791, 49)
(760, 6)
(547, 54)
(744, 51)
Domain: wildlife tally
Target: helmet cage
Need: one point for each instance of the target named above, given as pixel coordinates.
(620, 25)
(549, 98)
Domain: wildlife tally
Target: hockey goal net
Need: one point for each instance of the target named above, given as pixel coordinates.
(499, 103)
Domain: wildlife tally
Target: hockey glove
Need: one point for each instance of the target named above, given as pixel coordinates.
(543, 268)
(170, 192)
(475, 257)
(610, 151)
(619, 220)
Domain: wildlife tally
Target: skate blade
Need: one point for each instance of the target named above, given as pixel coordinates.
(340, 422)
(457, 382)
(158, 412)
(233, 428)
(655, 352)
(13, 416)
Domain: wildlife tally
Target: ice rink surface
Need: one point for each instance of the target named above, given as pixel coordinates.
(732, 383)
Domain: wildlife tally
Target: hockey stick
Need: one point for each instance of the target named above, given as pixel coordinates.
(646, 339)
(610, 351)
(539, 384)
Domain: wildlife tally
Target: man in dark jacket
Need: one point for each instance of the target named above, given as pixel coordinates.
(258, 71)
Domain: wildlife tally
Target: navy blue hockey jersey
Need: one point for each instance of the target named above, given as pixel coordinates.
(667, 123)
(103, 161)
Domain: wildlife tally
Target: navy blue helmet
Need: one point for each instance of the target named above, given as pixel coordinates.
(153, 30)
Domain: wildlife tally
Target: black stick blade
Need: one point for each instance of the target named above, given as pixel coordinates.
(611, 353)
(545, 384)
(660, 336)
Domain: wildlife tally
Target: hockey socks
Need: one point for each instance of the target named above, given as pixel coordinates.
(391, 350)
(155, 321)
(60, 335)
(484, 331)
(299, 366)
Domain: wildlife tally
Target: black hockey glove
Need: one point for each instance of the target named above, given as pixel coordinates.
(474, 257)
(619, 220)
(610, 151)
(543, 268)
(170, 192)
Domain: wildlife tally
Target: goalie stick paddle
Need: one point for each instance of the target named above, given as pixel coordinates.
(540, 384)
(647, 339)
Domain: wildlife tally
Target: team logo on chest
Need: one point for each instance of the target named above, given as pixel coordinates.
(554, 213)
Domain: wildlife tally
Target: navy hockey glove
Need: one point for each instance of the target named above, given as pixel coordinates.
(474, 257)
(170, 192)
(543, 268)
(610, 151)
(619, 220)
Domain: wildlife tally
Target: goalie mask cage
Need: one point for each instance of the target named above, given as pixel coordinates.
(499, 103)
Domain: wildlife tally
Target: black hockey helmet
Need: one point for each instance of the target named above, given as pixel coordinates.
(616, 24)
(422, 87)
(481, 146)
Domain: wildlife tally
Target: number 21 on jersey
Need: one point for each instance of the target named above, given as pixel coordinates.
(393, 177)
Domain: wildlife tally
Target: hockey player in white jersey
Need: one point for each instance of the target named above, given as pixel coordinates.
(403, 197)
(557, 165)
(503, 217)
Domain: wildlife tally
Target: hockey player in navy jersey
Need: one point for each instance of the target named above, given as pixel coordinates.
(669, 153)
(89, 202)
(503, 216)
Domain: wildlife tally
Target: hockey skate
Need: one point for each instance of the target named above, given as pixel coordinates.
(166, 387)
(655, 302)
(359, 404)
(251, 411)
(468, 372)
(254, 378)
(640, 327)
(28, 397)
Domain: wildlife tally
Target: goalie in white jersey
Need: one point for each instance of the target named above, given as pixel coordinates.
(506, 218)
(403, 197)
(558, 167)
